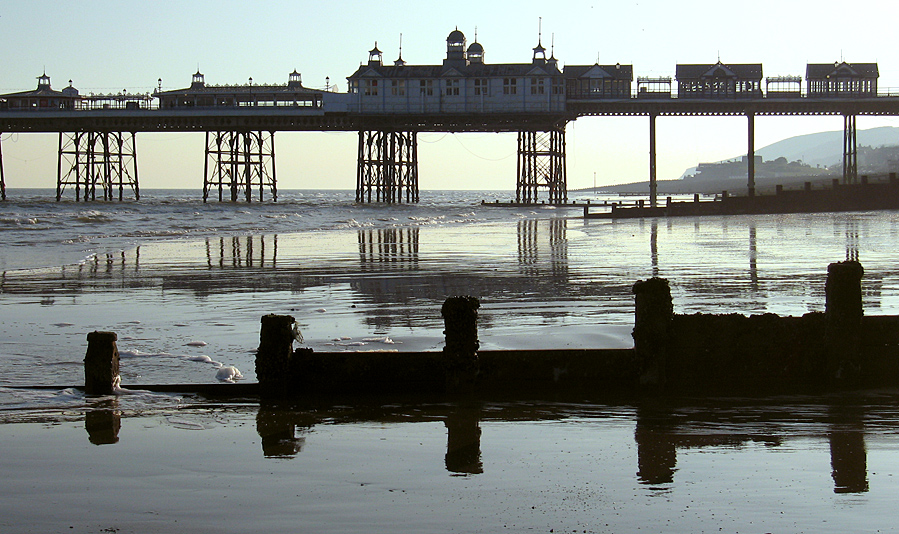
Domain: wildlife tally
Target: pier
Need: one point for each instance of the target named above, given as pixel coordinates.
(390, 104)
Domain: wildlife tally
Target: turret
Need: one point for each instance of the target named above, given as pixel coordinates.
(198, 81)
(455, 49)
(375, 58)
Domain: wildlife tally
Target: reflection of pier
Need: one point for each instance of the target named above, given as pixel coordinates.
(533, 246)
(391, 248)
(247, 251)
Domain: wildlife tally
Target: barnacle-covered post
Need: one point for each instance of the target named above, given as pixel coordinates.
(653, 314)
(460, 316)
(274, 356)
(843, 314)
(101, 364)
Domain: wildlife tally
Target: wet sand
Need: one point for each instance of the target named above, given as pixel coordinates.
(768, 465)
(165, 463)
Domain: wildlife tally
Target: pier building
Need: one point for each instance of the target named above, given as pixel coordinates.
(719, 81)
(43, 97)
(488, 97)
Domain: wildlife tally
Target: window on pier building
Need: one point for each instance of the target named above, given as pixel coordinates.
(427, 87)
(370, 87)
(537, 86)
(558, 85)
(452, 88)
(398, 87)
(510, 86)
(480, 87)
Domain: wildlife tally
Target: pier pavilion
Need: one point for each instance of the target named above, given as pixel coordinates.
(489, 97)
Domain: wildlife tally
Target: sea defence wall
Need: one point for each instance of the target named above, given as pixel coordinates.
(677, 353)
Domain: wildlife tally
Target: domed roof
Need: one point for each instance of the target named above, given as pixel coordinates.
(476, 48)
(455, 36)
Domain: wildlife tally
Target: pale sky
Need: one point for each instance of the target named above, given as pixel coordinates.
(106, 46)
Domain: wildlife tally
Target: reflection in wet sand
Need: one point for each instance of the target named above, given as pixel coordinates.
(103, 421)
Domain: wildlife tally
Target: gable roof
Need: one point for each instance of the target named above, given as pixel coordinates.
(820, 71)
(597, 71)
(739, 71)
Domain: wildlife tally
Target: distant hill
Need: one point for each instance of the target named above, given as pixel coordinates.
(824, 149)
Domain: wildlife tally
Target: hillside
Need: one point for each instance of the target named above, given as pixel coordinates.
(806, 158)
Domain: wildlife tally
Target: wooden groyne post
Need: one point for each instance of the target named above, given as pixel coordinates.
(653, 315)
(843, 312)
(274, 357)
(460, 317)
(101, 364)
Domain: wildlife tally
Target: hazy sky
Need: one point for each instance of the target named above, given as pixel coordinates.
(107, 46)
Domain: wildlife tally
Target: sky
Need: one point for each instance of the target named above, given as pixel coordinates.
(109, 45)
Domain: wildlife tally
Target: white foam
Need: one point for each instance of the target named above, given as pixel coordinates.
(228, 374)
(385, 340)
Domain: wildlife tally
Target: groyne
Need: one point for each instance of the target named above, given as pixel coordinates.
(699, 353)
(864, 196)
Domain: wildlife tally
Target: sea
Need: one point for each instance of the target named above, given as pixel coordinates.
(184, 283)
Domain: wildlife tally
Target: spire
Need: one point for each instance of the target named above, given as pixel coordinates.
(399, 61)
(539, 51)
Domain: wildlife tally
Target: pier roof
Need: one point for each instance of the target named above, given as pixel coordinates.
(820, 71)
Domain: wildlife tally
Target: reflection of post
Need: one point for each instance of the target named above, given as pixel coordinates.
(103, 423)
(558, 246)
(753, 256)
(656, 450)
(654, 247)
(848, 457)
(276, 427)
(852, 241)
(463, 442)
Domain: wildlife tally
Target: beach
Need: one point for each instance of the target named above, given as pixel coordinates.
(184, 285)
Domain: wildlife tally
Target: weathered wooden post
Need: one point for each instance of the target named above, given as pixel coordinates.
(101, 364)
(275, 354)
(460, 317)
(653, 313)
(843, 314)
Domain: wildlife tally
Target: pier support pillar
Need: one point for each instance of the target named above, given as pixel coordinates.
(387, 167)
(90, 160)
(101, 364)
(541, 165)
(274, 357)
(653, 315)
(460, 316)
(2, 177)
(850, 150)
(843, 314)
(240, 163)
(750, 171)
(653, 185)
